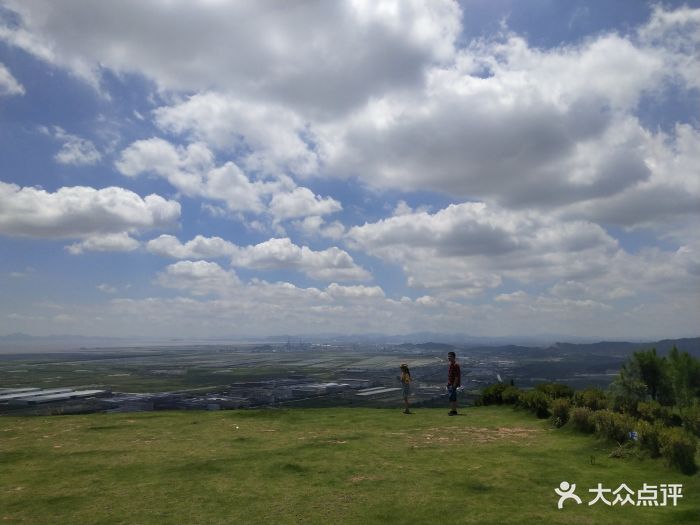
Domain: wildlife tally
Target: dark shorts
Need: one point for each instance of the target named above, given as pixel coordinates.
(453, 393)
(406, 390)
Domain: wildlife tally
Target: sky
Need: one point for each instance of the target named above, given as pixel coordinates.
(233, 168)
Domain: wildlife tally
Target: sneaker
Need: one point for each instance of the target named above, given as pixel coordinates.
(407, 411)
(452, 413)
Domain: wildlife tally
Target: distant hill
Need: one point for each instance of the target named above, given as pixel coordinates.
(690, 345)
(429, 346)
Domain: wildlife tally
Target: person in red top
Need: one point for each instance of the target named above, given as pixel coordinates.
(454, 381)
(406, 384)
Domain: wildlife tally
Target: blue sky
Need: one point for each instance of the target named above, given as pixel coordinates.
(259, 168)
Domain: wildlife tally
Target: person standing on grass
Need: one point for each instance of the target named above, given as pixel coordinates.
(406, 385)
(454, 381)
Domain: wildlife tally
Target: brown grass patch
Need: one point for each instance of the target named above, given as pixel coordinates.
(451, 435)
(360, 478)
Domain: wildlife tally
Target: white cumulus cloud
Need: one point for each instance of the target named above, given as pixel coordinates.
(269, 137)
(200, 247)
(192, 171)
(330, 264)
(325, 57)
(75, 150)
(115, 242)
(198, 277)
(301, 202)
(80, 211)
(469, 247)
(277, 253)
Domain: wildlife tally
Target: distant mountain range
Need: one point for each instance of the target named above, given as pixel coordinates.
(416, 340)
(429, 337)
(687, 344)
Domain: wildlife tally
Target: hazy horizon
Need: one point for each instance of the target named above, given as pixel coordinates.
(298, 338)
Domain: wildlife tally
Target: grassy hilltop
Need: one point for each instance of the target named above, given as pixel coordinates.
(491, 465)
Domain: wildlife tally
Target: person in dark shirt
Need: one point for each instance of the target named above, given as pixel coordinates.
(406, 386)
(454, 381)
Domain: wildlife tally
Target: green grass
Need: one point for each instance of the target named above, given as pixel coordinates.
(346, 465)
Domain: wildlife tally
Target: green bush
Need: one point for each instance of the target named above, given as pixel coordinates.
(535, 401)
(492, 394)
(582, 419)
(691, 419)
(560, 411)
(593, 398)
(652, 411)
(649, 436)
(678, 448)
(613, 425)
(511, 395)
(555, 390)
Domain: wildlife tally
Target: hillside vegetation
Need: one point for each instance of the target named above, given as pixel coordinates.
(491, 465)
(652, 407)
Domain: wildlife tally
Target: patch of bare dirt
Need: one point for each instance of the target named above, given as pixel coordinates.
(451, 435)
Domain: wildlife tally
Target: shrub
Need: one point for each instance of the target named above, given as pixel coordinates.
(511, 395)
(535, 401)
(652, 410)
(560, 411)
(649, 435)
(678, 448)
(555, 390)
(645, 373)
(582, 419)
(492, 394)
(691, 419)
(593, 398)
(612, 425)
